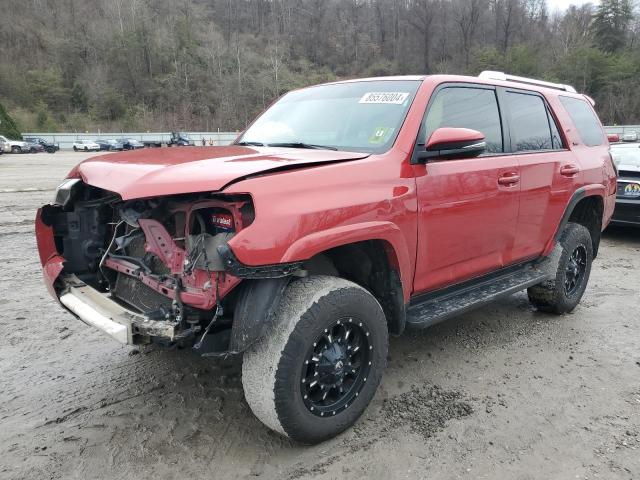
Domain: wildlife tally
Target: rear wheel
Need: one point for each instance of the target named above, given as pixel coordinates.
(562, 293)
(314, 374)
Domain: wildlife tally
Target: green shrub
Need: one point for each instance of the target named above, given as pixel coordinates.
(8, 127)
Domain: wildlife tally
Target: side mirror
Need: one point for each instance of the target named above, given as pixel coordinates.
(453, 143)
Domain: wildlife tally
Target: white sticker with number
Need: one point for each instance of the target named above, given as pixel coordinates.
(396, 98)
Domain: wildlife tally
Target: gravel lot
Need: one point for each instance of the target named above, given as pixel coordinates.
(502, 392)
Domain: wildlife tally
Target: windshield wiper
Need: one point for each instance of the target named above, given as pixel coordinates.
(251, 144)
(301, 145)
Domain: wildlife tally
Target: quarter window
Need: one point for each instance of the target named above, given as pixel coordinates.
(467, 107)
(531, 128)
(585, 121)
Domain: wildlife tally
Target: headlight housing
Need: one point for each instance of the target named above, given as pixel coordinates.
(66, 191)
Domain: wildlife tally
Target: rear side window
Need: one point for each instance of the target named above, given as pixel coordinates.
(585, 120)
(530, 125)
(466, 107)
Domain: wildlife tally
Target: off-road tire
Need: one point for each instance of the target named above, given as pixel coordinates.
(274, 367)
(552, 296)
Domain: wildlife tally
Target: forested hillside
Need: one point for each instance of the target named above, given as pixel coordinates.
(209, 64)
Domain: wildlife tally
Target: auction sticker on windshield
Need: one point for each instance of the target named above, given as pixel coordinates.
(396, 98)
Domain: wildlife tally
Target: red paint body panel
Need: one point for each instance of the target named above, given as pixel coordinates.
(442, 223)
(44, 239)
(467, 222)
(156, 172)
(445, 135)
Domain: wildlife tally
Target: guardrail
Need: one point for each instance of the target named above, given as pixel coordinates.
(65, 140)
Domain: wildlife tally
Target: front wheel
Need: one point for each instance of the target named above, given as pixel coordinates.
(562, 293)
(16, 149)
(315, 372)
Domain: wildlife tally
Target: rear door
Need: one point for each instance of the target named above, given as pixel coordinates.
(467, 209)
(549, 172)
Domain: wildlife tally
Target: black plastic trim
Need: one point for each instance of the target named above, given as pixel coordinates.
(469, 284)
(578, 195)
(240, 270)
(255, 311)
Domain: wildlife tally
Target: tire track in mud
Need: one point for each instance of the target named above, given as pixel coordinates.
(424, 410)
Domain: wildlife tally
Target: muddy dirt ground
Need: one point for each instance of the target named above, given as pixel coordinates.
(502, 392)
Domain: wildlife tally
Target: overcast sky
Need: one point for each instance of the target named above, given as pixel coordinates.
(563, 4)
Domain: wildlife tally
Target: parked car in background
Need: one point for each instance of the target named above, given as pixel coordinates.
(131, 143)
(34, 147)
(1, 147)
(86, 146)
(626, 157)
(15, 146)
(49, 147)
(110, 145)
(180, 139)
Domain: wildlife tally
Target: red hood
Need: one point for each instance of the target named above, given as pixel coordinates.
(169, 171)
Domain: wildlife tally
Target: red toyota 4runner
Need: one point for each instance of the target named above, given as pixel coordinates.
(344, 213)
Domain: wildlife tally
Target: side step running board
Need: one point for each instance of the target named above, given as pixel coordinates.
(432, 308)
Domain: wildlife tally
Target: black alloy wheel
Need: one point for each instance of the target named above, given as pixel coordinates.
(576, 266)
(336, 368)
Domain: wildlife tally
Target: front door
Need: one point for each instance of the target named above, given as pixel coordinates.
(467, 208)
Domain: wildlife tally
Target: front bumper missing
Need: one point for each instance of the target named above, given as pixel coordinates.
(98, 310)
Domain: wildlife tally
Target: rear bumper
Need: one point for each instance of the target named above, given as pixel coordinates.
(627, 212)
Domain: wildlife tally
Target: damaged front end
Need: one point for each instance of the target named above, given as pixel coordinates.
(155, 270)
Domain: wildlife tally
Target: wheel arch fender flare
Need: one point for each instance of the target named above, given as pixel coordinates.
(398, 255)
(592, 190)
(255, 310)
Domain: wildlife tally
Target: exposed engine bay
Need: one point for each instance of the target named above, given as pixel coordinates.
(160, 257)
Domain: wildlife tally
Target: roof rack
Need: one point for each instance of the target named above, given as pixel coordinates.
(491, 75)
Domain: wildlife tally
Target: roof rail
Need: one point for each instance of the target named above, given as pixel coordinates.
(491, 75)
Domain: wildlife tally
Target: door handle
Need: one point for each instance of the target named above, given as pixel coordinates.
(509, 179)
(569, 170)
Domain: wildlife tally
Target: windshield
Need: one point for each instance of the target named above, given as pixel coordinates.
(359, 116)
(626, 156)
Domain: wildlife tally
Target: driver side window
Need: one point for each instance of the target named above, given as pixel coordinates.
(467, 107)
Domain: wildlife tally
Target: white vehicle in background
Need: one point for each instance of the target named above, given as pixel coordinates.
(85, 146)
(14, 146)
